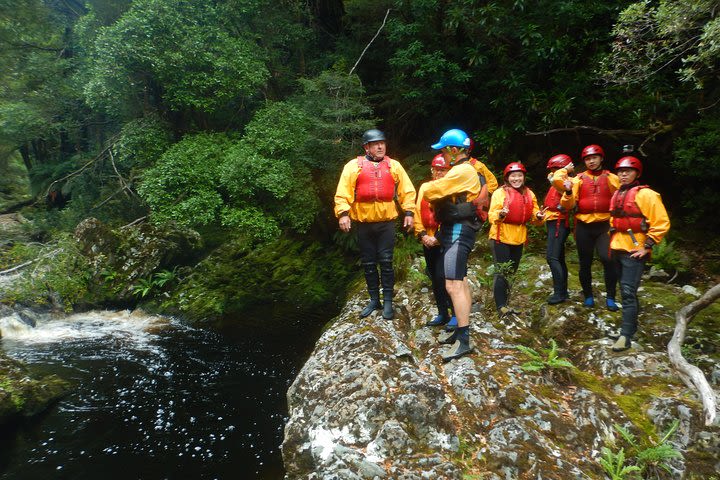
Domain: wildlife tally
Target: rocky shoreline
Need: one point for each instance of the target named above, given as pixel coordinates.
(375, 401)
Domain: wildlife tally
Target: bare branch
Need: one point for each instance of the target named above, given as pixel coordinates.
(690, 374)
(371, 41)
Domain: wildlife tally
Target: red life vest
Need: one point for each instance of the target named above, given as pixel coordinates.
(482, 202)
(375, 183)
(520, 206)
(625, 212)
(552, 202)
(594, 195)
(427, 215)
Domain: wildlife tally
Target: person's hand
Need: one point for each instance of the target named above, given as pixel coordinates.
(541, 214)
(429, 241)
(408, 223)
(504, 211)
(344, 222)
(567, 183)
(639, 252)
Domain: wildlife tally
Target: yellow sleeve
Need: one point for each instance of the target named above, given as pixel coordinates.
(558, 179)
(496, 204)
(460, 179)
(492, 183)
(651, 206)
(533, 219)
(613, 182)
(418, 225)
(405, 188)
(568, 201)
(345, 192)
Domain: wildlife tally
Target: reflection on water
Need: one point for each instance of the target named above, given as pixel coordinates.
(157, 399)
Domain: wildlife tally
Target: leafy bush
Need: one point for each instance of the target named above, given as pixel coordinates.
(539, 362)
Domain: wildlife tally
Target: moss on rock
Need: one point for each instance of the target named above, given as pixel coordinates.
(21, 395)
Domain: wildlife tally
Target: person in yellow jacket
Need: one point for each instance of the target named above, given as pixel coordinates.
(365, 197)
(426, 227)
(639, 221)
(589, 193)
(452, 197)
(511, 208)
(488, 184)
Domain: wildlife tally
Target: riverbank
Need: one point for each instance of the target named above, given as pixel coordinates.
(375, 401)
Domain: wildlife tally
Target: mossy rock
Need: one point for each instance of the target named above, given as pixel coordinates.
(21, 395)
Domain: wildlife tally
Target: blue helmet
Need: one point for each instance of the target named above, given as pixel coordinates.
(453, 138)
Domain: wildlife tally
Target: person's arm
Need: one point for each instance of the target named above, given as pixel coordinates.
(650, 204)
(457, 180)
(569, 197)
(497, 201)
(613, 182)
(345, 192)
(538, 214)
(492, 183)
(406, 194)
(405, 188)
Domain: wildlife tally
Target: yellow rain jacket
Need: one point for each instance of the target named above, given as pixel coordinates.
(461, 178)
(569, 201)
(373, 211)
(482, 169)
(652, 208)
(510, 234)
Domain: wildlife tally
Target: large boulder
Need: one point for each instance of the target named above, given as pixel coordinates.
(374, 400)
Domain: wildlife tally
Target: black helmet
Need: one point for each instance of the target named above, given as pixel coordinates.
(373, 135)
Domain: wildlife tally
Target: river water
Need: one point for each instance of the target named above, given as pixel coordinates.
(154, 398)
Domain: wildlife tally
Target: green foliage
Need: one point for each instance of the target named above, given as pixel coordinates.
(61, 276)
(667, 257)
(614, 465)
(648, 457)
(178, 51)
(548, 360)
(156, 282)
(182, 185)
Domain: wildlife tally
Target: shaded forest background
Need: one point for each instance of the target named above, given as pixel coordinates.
(235, 116)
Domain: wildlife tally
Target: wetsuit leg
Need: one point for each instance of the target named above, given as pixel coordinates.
(602, 247)
(585, 247)
(502, 254)
(631, 270)
(433, 259)
(555, 255)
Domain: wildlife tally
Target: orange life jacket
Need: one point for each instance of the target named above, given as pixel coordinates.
(482, 202)
(594, 195)
(375, 183)
(625, 212)
(552, 202)
(427, 215)
(520, 206)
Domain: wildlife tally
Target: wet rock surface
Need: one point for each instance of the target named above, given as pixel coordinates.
(375, 400)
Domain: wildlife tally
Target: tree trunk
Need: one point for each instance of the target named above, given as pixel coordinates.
(690, 374)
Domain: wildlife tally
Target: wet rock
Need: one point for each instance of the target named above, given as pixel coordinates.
(375, 395)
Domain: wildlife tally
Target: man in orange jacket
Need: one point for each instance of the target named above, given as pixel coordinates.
(365, 196)
(590, 193)
(639, 221)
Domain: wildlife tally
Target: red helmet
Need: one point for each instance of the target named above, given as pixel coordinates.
(592, 150)
(630, 162)
(438, 161)
(514, 167)
(559, 161)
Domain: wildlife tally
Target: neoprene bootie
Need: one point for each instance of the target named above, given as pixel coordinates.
(388, 312)
(556, 298)
(611, 305)
(589, 302)
(438, 321)
(373, 305)
(452, 324)
(623, 343)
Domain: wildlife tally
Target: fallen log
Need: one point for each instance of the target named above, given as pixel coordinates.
(690, 374)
